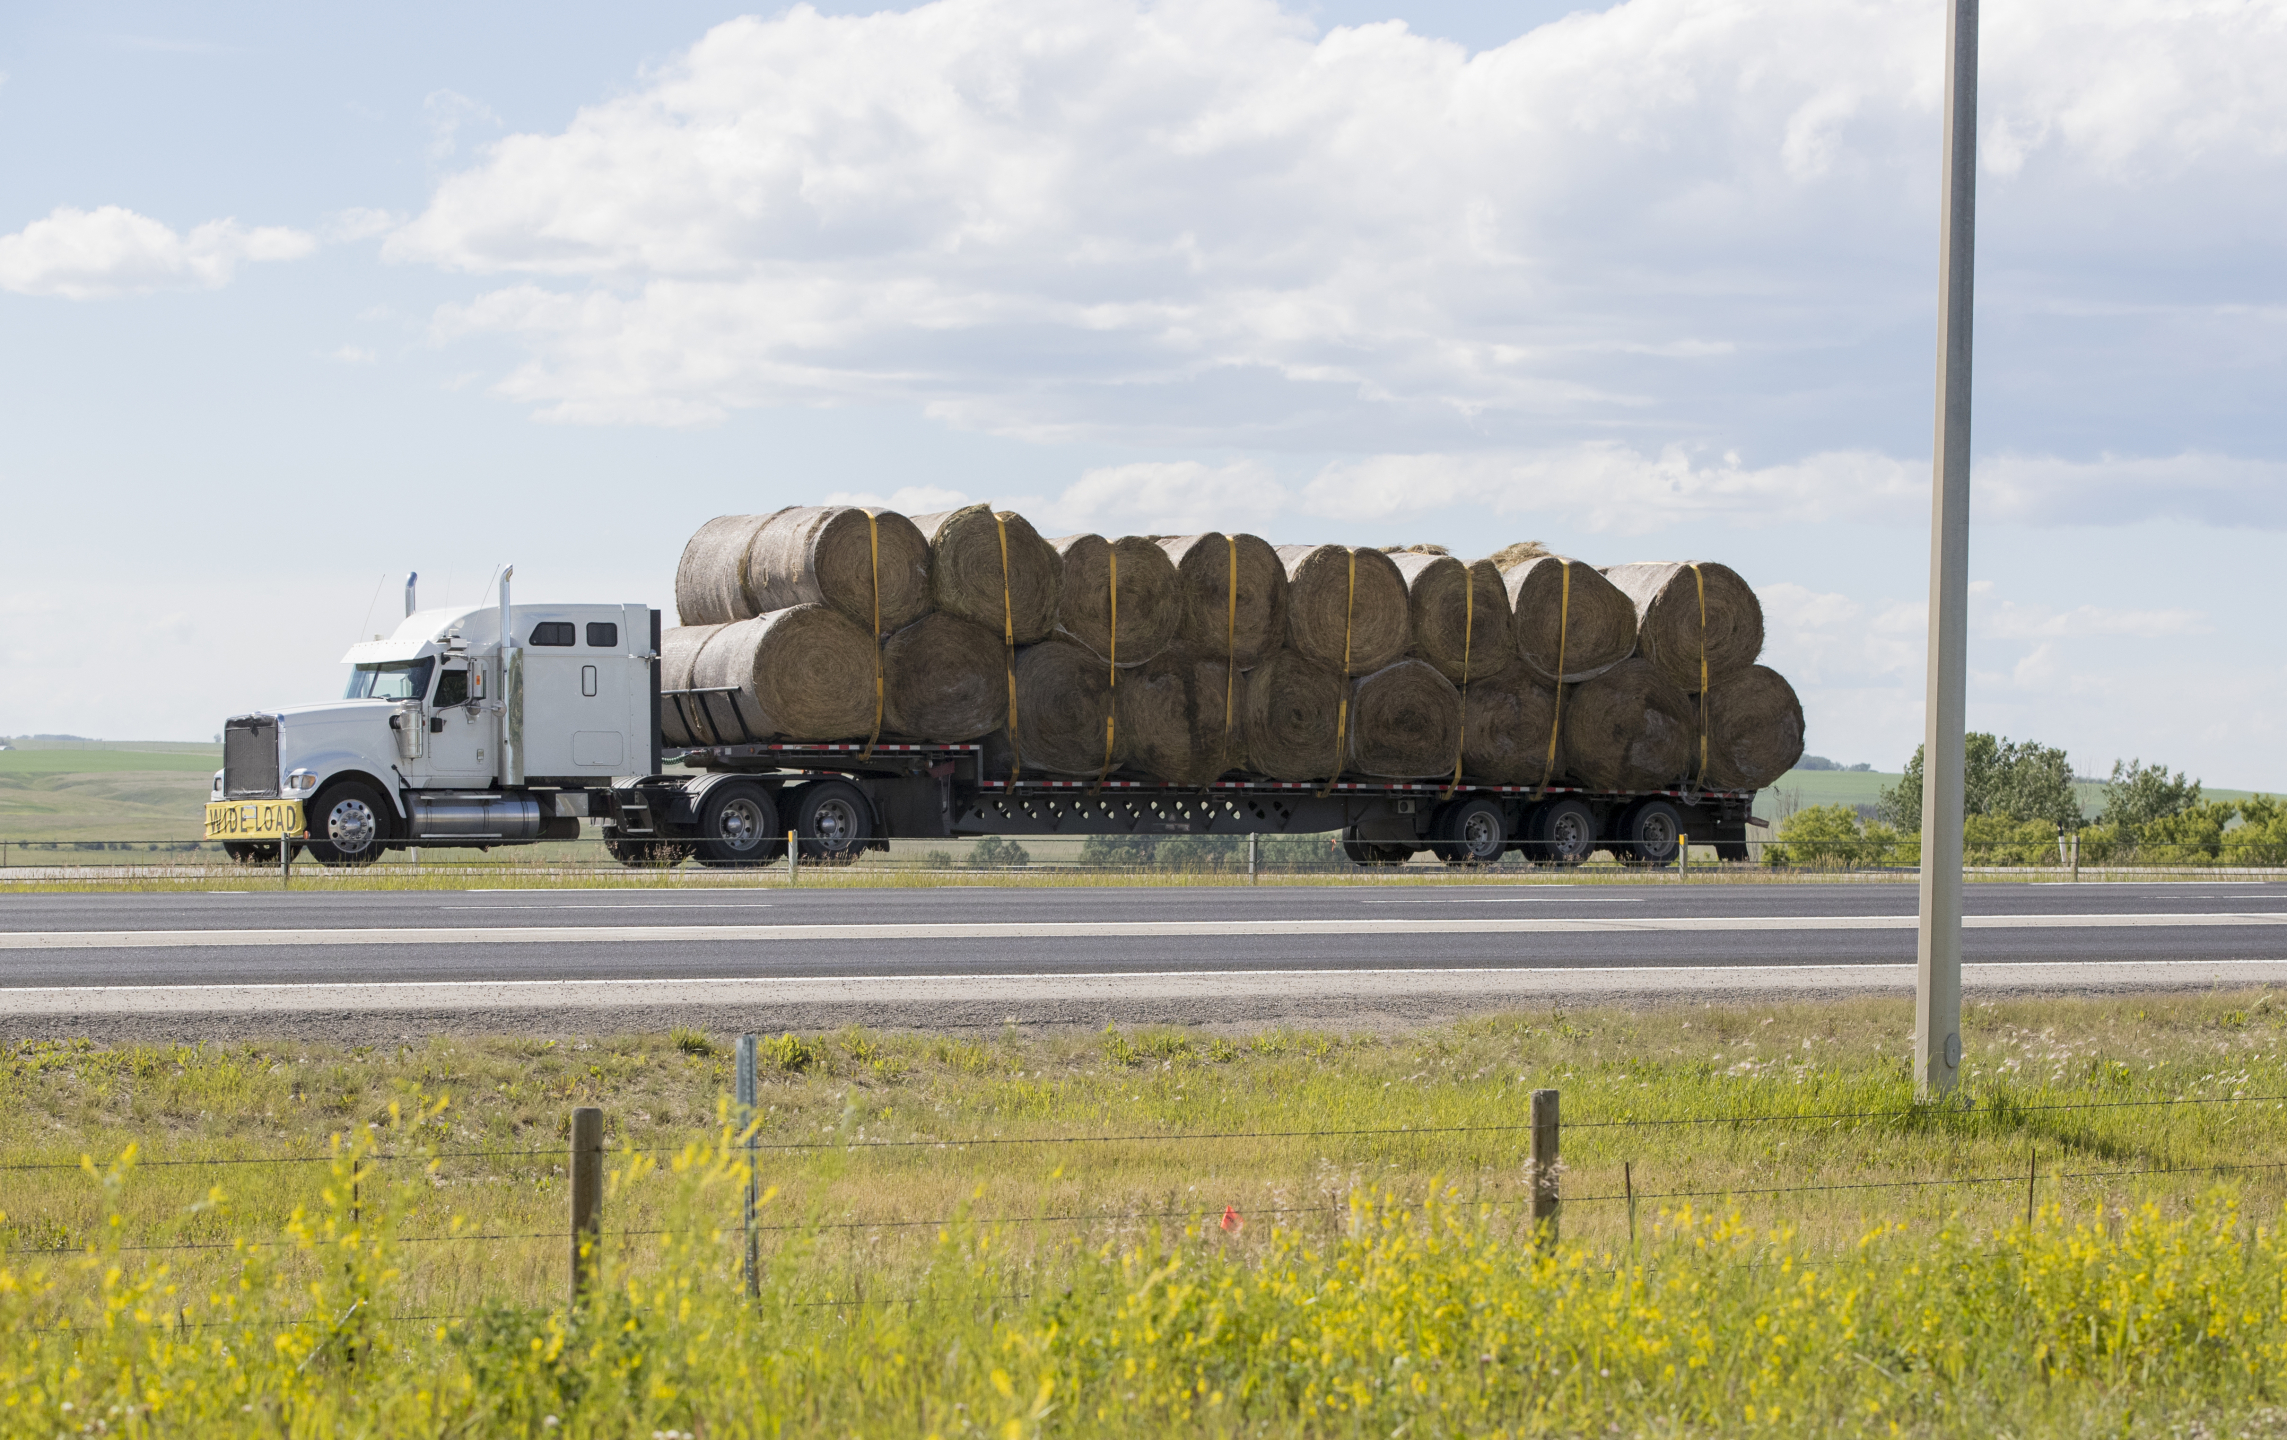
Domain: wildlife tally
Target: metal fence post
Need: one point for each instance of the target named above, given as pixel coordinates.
(1545, 1161)
(749, 1101)
(285, 855)
(587, 1198)
(793, 850)
(1252, 877)
(1683, 858)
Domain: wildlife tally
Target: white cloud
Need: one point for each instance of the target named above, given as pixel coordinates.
(2011, 621)
(446, 111)
(1200, 220)
(358, 223)
(354, 355)
(95, 254)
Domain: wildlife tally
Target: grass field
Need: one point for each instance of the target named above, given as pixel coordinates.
(104, 791)
(1170, 1232)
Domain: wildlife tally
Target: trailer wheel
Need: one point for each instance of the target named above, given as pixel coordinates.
(1470, 831)
(738, 825)
(1649, 832)
(349, 825)
(834, 820)
(1563, 833)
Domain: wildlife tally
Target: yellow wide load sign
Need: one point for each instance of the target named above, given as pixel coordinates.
(253, 819)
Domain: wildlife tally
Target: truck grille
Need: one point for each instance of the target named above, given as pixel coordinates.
(250, 758)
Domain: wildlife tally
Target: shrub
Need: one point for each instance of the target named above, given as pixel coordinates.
(997, 852)
(1833, 837)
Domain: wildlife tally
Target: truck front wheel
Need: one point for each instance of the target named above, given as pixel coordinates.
(738, 825)
(349, 825)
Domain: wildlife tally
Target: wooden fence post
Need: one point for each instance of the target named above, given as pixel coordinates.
(587, 1198)
(1545, 1161)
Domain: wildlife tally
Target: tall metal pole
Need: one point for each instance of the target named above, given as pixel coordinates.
(1937, 991)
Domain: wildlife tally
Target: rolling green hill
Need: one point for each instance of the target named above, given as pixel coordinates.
(104, 790)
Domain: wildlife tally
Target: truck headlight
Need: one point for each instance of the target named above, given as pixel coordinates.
(214, 791)
(301, 782)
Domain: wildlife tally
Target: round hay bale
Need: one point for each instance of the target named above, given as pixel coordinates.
(1063, 698)
(1669, 629)
(1627, 729)
(1754, 730)
(966, 576)
(1583, 634)
(945, 680)
(802, 673)
(710, 579)
(1246, 626)
(1459, 612)
(737, 567)
(1508, 723)
(679, 648)
(1351, 629)
(1150, 604)
(1183, 717)
(1405, 722)
(1292, 703)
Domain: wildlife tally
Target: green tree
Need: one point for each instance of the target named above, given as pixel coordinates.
(2138, 794)
(2010, 779)
(1831, 837)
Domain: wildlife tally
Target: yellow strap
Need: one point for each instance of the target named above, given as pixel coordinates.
(1468, 632)
(1230, 657)
(1008, 650)
(1700, 578)
(1112, 667)
(1556, 712)
(873, 540)
(1342, 711)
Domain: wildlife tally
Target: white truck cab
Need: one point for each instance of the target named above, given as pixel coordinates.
(444, 734)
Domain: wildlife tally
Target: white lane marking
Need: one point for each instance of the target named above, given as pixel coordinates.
(1070, 930)
(1318, 986)
(1518, 900)
(638, 905)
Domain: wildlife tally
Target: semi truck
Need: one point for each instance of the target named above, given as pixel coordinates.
(512, 724)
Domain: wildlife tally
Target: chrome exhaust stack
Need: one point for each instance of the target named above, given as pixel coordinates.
(511, 691)
(411, 579)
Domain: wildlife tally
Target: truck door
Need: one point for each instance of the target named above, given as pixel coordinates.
(460, 734)
(576, 698)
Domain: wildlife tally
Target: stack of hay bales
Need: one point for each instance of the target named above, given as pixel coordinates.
(1184, 659)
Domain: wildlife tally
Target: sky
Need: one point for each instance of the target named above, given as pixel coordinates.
(295, 299)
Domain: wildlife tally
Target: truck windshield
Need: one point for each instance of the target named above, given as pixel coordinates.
(396, 680)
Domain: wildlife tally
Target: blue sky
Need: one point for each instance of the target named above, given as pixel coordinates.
(293, 297)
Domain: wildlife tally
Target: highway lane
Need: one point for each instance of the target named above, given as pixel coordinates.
(353, 967)
(114, 940)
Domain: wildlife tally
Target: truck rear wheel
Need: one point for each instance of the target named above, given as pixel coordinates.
(738, 825)
(1470, 831)
(834, 820)
(1562, 832)
(349, 824)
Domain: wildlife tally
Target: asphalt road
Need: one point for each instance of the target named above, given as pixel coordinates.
(170, 965)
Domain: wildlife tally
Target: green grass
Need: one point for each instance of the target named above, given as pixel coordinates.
(1377, 1280)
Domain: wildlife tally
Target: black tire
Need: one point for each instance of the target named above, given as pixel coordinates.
(644, 853)
(1470, 831)
(738, 825)
(349, 824)
(1563, 833)
(1648, 833)
(834, 820)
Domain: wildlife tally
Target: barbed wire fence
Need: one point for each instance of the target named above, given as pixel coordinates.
(1543, 1198)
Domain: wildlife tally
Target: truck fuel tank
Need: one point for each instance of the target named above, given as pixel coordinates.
(474, 817)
